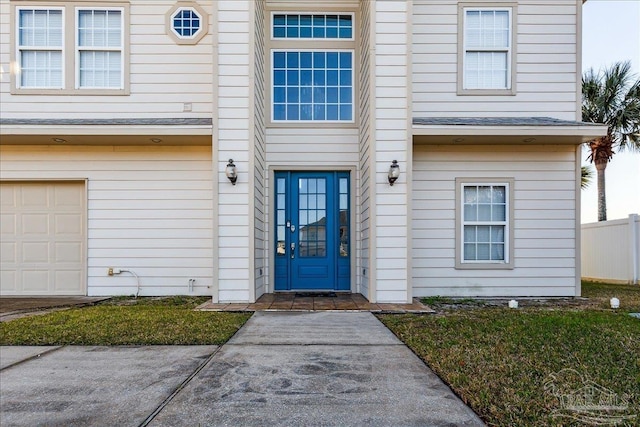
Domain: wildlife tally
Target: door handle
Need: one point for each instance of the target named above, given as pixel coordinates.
(293, 250)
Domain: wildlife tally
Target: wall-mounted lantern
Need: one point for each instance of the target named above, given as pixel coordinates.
(394, 172)
(232, 172)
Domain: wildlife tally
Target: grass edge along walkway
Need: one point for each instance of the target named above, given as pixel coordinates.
(524, 367)
(126, 321)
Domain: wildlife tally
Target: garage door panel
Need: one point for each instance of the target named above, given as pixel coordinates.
(8, 278)
(67, 197)
(68, 252)
(65, 280)
(66, 224)
(35, 224)
(35, 281)
(7, 196)
(43, 238)
(8, 252)
(35, 196)
(8, 224)
(35, 252)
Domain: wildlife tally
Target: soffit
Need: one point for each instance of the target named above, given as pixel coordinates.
(164, 131)
(503, 130)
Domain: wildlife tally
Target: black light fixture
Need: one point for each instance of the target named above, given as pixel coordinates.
(232, 172)
(394, 172)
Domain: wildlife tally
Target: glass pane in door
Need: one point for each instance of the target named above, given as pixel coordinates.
(312, 219)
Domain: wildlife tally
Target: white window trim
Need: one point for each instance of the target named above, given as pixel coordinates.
(353, 94)
(69, 50)
(78, 48)
(303, 39)
(183, 9)
(508, 262)
(19, 49)
(512, 9)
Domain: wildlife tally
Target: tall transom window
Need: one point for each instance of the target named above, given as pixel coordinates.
(312, 67)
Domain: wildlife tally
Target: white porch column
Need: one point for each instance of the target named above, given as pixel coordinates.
(392, 141)
(234, 141)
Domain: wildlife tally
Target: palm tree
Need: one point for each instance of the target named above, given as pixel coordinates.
(611, 97)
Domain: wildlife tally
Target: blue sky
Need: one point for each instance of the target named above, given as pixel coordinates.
(611, 32)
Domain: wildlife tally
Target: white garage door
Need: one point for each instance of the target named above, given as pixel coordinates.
(42, 238)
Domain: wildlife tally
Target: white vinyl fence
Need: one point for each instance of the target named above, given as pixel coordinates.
(611, 250)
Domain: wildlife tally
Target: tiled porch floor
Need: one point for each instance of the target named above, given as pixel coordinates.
(320, 302)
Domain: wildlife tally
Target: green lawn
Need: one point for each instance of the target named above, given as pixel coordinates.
(499, 360)
(125, 321)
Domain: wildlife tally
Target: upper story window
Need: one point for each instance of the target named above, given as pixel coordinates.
(485, 223)
(40, 48)
(312, 82)
(187, 23)
(294, 26)
(69, 49)
(487, 50)
(99, 47)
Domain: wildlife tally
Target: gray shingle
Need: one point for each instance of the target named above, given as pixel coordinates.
(206, 121)
(496, 121)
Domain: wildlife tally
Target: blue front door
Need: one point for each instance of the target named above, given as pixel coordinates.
(312, 246)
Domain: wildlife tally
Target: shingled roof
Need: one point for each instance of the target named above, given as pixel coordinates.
(496, 121)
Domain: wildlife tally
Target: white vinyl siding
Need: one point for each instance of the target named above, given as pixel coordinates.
(99, 48)
(260, 215)
(545, 72)
(544, 220)
(235, 140)
(327, 147)
(40, 40)
(156, 77)
(366, 187)
(149, 210)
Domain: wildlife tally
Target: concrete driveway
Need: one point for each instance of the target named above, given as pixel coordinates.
(281, 368)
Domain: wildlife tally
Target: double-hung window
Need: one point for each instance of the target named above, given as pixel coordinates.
(40, 51)
(70, 49)
(484, 221)
(487, 55)
(312, 67)
(99, 48)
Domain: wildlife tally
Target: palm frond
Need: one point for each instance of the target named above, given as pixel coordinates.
(586, 177)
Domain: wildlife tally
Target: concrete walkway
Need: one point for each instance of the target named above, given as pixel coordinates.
(280, 369)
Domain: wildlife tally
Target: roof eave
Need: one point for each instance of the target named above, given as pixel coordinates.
(470, 134)
(116, 133)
